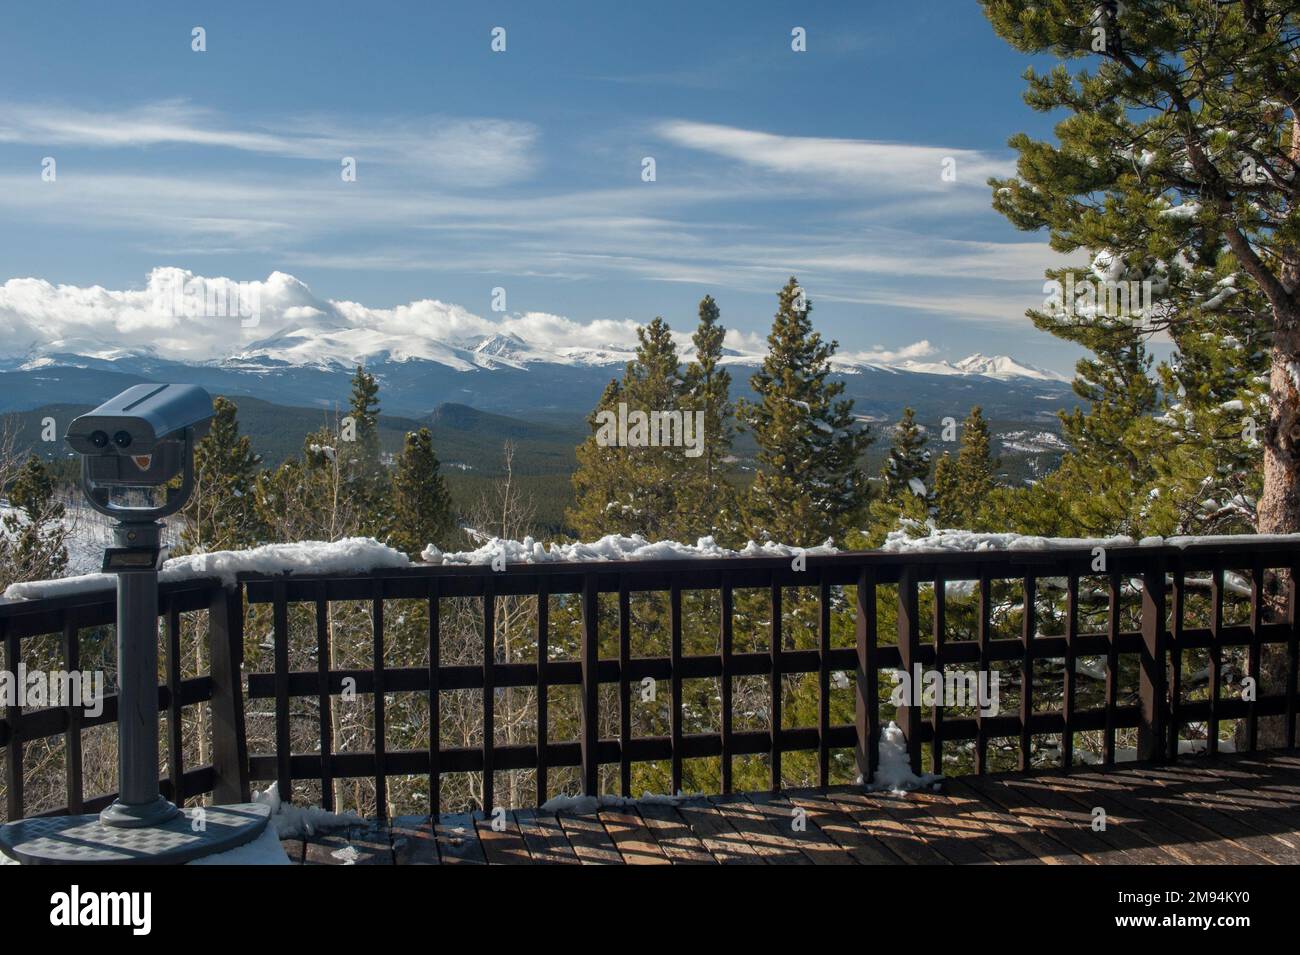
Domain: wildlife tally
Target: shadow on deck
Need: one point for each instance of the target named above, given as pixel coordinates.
(1228, 809)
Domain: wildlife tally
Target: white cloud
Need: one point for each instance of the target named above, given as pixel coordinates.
(465, 152)
(887, 356)
(165, 318)
(868, 165)
(37, 317)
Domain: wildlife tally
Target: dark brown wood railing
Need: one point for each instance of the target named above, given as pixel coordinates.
(1164, 573)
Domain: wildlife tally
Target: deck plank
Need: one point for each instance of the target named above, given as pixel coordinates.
(1050, 821)
(674, 835)
(757, 829)
(1078, 828)
(840, 827)
(414, 842)
(505, 845)
(359, 845)
(781, 814)
(890, 825)
(1229, 809)
(458, 841)
(590, 841)
(998, 834)
(634, 841)
(718, 835)
(1164, 831)
(1200, 804)
(545, 837)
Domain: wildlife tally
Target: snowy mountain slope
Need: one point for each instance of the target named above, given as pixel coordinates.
(279, 341)
(1001, 367)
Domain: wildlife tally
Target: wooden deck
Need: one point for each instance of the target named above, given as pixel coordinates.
(1231, 809)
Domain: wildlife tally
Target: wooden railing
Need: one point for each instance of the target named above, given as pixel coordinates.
(1164, 575)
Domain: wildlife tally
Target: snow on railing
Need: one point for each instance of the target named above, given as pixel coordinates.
(360, 555)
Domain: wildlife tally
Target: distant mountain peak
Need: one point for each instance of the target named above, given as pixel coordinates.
(502, 344)
(1001, 367)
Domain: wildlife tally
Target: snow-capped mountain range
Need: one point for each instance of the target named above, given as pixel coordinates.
(278, 341)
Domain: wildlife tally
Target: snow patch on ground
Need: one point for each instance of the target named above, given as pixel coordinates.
(894, 771)
(295, 822)
(264, 850)
(579, 805)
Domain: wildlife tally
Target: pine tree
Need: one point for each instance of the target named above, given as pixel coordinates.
(421, 504)
(363, 407)
(221, 513)
(637, 488)
(33, 544)
(1192, 102)
(965, 485)
(708, 386)
(809, 484)
(359, 454)
(906, 471)
(948, 504)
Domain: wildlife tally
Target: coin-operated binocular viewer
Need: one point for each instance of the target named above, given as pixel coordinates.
(136, 446)
(141, 440)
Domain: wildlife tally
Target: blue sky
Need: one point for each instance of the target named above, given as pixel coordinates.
(522, 169)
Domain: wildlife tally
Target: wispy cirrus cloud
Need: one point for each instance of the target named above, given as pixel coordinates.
(459, 151)
(867, 165)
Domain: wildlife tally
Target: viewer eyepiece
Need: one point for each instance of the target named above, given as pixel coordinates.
(122, 439)
(99, 439)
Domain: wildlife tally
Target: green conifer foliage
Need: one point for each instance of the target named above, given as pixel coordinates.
(809, 484)
(33, 540)
(221, 513)
(421, 504)
(633, 486)
(1176, 163)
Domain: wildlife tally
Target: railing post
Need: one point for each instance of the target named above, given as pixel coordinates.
(226, 651)
(909, 645)
(1152, 687)
(13, 713)
(867, 705)
(1292, 653)
(590, 685)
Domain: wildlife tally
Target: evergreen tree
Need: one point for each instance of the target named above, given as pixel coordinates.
(636, 487)
(33, 544)
(809, 484)
(964, 486)
(708, 385)
(359, 455)
(948, 504)
(363, 405)
(421, 504)
(222, 514)
(906, 471)
(1177, 158)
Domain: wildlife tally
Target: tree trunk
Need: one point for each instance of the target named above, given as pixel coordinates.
(1279, 503)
